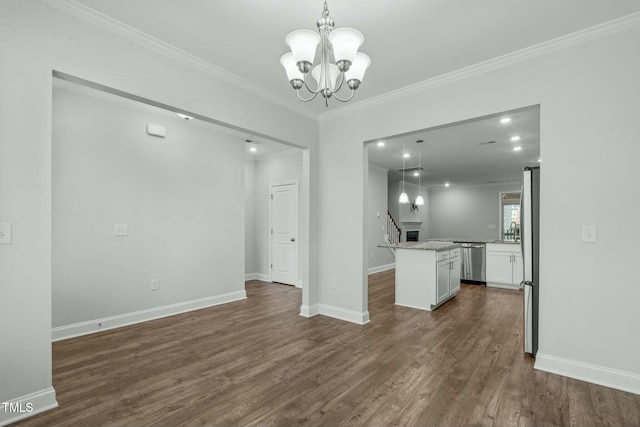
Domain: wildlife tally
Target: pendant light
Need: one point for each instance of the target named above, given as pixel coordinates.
(404, 199)
(419, 199)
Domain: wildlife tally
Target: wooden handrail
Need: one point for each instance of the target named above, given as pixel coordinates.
(395, 233)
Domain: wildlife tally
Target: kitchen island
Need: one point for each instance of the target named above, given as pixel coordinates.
(427, 273)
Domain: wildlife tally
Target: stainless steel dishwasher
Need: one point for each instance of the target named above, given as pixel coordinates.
(473, 262)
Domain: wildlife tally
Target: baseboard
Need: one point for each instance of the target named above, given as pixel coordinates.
(414, 306)
(503, 286)
(98, 325)
(360, 318)
(601, 375)
(382, 268)
(309, 311)
(27, 406)
(256, 276)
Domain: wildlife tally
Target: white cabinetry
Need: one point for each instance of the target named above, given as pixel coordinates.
(426, 278)
(504, 265)
(448, 274)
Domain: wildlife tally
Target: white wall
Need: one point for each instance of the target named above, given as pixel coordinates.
(590, 100)
(37, 38)
(460, 212)
(376, 220)
(174, 193)
(250, 261)
(281, 166)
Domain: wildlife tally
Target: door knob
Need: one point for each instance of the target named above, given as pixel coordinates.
(292, 239)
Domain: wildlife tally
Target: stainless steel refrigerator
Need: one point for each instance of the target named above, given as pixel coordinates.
(530, 241)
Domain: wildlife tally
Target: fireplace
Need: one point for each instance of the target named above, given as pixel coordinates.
(413, 235)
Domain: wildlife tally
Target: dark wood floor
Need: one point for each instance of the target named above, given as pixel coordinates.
(257, 362)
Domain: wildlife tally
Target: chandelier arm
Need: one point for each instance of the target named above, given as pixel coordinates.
(342, 80)
(315, 92)
(353, 91)
(308, 99)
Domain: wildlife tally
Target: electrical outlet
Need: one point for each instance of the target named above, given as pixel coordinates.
(155, 284)
(332, 283)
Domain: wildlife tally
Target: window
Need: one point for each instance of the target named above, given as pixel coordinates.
(510, 213)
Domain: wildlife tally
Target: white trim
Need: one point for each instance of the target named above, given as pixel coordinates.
(256, 276)
(515, 287)
(381, 268)
(563, 42)
(307, 311)
(40, 401)
(419, 307)
(601, 375)
(360, 318)
(99, 19)
(98, 325)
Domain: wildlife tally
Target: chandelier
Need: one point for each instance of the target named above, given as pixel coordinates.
(340, 60)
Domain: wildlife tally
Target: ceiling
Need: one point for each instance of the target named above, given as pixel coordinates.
(473, 152)
(408, 42)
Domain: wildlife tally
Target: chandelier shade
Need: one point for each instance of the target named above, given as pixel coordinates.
(332, 78)
(338, 61)
(303, 44)
(345, 42)
(419, 200)
(360, 64)
(289, 64)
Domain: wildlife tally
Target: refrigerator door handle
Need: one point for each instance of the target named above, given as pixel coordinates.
(528, 316)
(522, 219)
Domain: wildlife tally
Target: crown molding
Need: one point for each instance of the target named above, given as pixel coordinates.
(563, 42)
(95, 17)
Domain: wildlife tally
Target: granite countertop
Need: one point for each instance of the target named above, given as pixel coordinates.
(427, 246)
(507, 242)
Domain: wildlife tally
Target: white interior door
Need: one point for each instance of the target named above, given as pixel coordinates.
(284, 233)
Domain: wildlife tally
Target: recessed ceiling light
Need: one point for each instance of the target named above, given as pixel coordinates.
(517, 148)
(515, 138)
(416, 173)
(505, 120)
(184, 116)
(406, 155)
(539, 160)
(253, 149)
(380, 144)
(446, 184)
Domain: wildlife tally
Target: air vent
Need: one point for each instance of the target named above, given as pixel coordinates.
(413, 169)
(487, 143)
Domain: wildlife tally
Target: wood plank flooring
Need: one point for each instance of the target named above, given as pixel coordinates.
(257, 362)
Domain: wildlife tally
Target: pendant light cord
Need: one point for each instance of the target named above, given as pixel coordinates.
(403, 167)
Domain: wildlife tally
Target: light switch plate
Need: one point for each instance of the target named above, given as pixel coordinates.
(121, 229)
(5, 233)
(589, 234)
